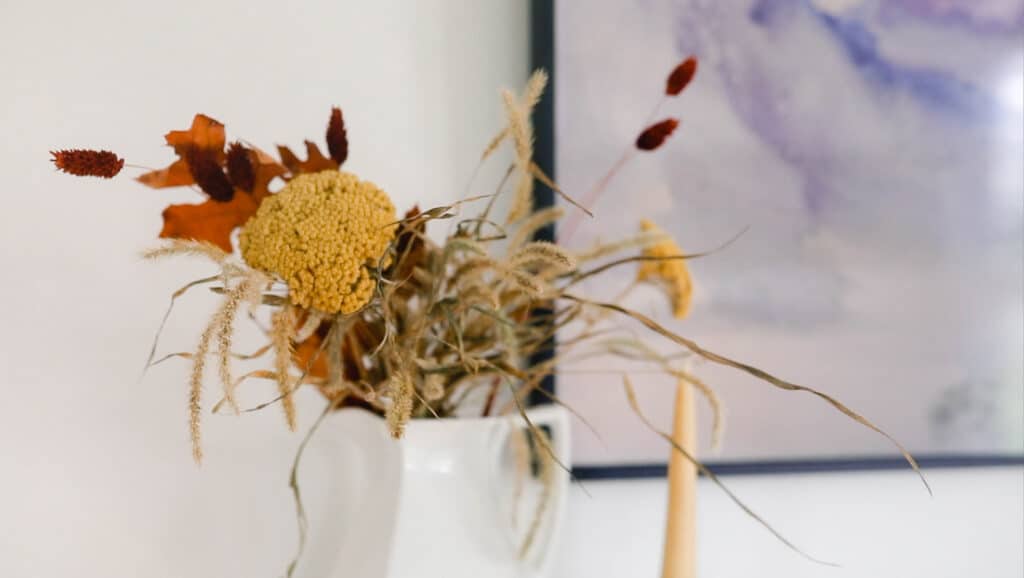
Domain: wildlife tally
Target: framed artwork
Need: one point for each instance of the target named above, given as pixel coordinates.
(873, 153)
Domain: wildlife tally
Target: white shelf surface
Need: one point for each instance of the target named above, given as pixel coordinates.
(874, 524)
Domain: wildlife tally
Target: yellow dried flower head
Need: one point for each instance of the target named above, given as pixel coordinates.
(672, 274)
(319, 234)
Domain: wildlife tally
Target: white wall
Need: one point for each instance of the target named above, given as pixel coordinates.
(95, 473)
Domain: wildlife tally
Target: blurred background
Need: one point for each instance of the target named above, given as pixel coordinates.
(95, 471)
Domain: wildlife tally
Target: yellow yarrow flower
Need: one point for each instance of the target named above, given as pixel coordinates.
(320, 233)
(671, 274)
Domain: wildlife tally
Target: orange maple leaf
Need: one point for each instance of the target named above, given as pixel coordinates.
(214, 221)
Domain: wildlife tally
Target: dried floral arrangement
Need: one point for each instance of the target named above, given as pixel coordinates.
(365, 307)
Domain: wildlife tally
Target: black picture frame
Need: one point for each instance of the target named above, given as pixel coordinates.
(542, 47)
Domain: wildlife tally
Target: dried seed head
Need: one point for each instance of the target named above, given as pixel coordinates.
(240, 164)
(681, 76)
(433, 386)
(337, 139)
(208, 174)
(88, 163)
(656, 134)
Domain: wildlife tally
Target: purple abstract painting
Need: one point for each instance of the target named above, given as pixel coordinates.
(875, 150)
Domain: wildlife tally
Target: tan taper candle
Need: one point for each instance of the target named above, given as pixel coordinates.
(681, 526)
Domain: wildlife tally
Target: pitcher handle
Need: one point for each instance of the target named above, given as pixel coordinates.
(556, 420)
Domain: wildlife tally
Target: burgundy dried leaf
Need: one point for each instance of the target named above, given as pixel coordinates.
(656, 134)
(208, 174)
(241, 172)
(337, 139)
(681, 76)
(88, 163)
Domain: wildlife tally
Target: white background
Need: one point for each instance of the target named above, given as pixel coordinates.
(95, 473)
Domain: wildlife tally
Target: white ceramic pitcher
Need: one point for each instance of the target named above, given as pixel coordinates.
(436, 504)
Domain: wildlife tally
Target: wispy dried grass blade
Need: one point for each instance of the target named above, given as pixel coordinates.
(643, 258)
(494, 144)
(635, 405)
(293, 484)
(167, 315)
(539, 436)
(541, 176)
(639, 241)
(758, 373)
(717, 419)
(546, 475)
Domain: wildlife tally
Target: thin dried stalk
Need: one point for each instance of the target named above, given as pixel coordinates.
(546, 473)
(758, 373)
(718, 421)
(167, 315)
(635, 405)
(639, 241)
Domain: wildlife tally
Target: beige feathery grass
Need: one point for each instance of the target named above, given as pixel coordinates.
(545, 254)
(247, 291)
(521, 129)
(399, 412)
(176, 247)
(282, 331)
(531, 96)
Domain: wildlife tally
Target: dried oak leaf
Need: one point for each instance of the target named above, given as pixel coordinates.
(206, 134)
(214, 221)
(314, 163)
